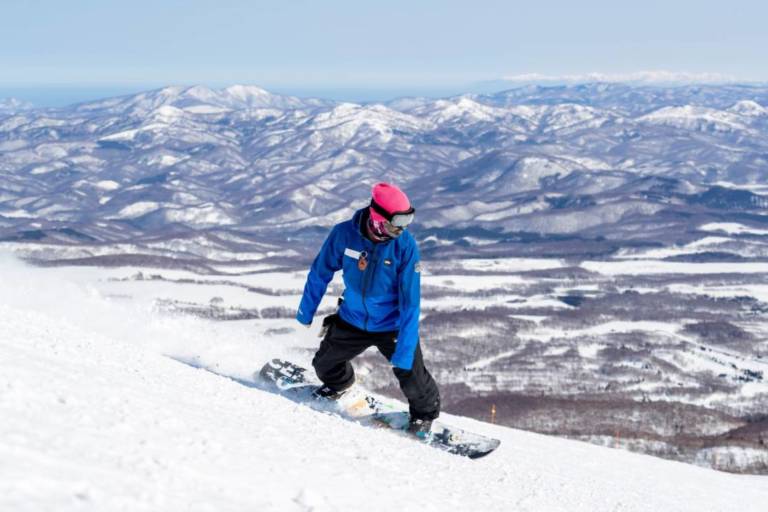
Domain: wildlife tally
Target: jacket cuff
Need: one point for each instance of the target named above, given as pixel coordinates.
(302, 319)
(403, 359)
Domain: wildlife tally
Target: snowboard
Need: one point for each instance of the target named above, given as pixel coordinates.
(296, 383)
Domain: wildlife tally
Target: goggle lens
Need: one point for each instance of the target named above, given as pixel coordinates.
(401, 220)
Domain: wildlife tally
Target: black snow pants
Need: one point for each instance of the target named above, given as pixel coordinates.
(343, 342)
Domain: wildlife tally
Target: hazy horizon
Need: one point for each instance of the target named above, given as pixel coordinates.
(62, 95)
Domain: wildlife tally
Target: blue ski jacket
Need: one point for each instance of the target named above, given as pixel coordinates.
(382, 293)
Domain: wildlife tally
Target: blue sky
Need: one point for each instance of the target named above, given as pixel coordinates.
(364, 44)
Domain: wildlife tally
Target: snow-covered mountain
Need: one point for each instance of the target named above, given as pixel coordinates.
(607, 163)
(100, 413)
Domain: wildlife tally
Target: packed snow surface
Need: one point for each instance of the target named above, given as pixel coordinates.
(107, 405)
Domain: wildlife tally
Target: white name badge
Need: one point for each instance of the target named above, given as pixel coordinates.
(352, 253)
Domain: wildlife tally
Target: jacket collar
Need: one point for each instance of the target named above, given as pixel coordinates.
(359, 218)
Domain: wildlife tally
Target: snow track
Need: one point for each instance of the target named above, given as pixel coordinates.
(97, 413)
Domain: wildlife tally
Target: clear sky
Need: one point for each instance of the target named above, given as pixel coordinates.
(358, 44)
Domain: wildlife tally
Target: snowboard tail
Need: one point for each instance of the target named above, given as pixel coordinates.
(294, 382)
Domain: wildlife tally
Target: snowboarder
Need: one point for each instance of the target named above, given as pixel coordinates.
(380, 304)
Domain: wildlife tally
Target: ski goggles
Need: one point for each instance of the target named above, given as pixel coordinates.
(397, 219)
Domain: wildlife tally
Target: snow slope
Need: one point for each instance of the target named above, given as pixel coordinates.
(98, 413)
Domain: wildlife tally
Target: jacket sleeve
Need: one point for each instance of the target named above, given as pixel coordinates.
(409, 301)
(327, 262)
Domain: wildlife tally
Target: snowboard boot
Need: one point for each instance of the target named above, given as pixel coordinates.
(328, 393)
(420, 428)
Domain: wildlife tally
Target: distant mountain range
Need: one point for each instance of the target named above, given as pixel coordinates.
(602, 165)
(12, 105)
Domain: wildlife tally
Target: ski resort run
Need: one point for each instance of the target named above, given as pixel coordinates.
(108, 405)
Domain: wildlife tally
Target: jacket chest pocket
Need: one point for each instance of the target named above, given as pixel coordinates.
(387, 270)
(384, 278)
(351, 265)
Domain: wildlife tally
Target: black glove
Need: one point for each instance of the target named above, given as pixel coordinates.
(327, 323)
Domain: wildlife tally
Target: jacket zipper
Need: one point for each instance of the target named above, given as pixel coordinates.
(366, 279)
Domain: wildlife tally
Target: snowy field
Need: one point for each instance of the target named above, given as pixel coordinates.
(100, 414)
